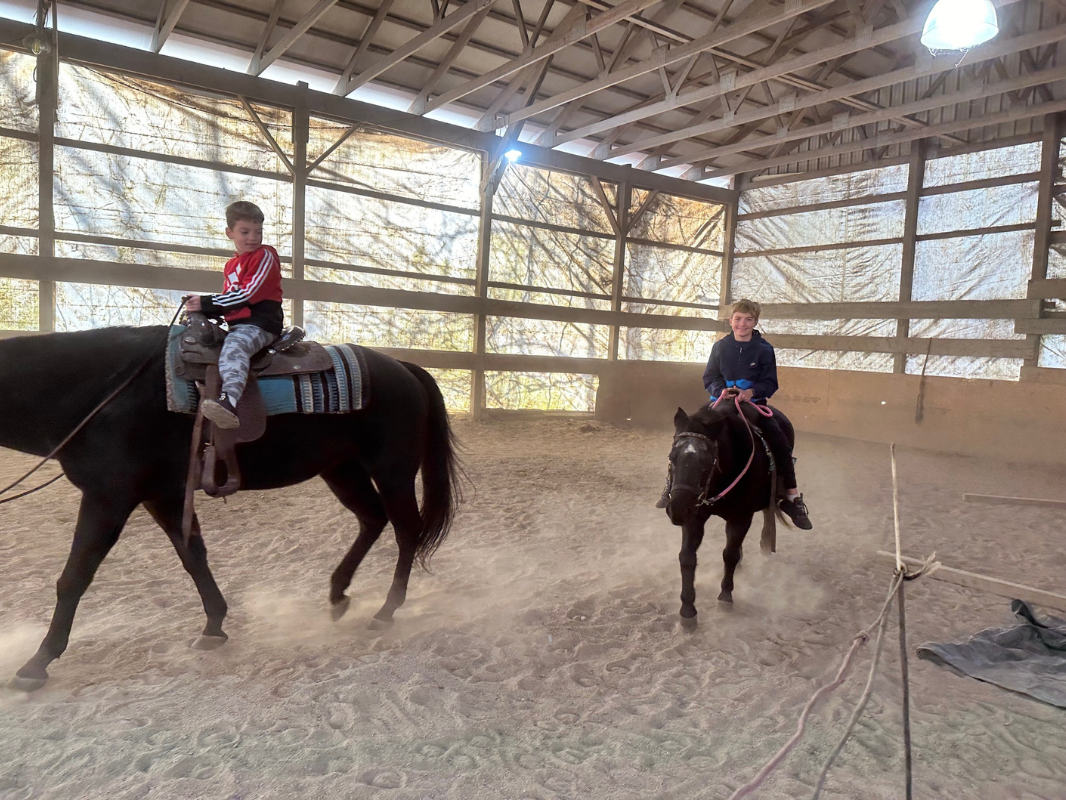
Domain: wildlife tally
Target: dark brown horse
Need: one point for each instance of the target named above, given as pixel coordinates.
(718, 466)
(135, 452)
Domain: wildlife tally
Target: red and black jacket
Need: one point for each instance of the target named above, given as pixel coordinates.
(251, 292)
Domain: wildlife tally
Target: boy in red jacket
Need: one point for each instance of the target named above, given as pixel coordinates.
(250, 303)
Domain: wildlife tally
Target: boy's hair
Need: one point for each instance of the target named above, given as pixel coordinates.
(242, 209)
(746, 307)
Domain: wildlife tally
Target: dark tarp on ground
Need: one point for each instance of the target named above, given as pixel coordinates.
(1029, 658)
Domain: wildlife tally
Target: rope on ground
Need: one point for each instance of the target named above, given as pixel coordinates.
(860, 639)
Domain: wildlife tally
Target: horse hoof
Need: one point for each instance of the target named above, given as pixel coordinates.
(725, 601)
(209, 642)
(339, 608)
(689, 623)
(24, 684)
(379, 624)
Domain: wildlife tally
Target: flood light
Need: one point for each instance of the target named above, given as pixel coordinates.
(513, 155)
(960, 24)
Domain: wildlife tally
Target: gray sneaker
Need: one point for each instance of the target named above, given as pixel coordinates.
(221, 412)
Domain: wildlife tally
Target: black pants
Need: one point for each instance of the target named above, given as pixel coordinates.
(778, 440)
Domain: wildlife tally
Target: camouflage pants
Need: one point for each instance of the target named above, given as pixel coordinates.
(243, 342)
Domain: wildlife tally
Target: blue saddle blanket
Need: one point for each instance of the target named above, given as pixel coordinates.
(336, 391)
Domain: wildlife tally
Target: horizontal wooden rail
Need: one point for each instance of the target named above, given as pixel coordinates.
(1048, 289)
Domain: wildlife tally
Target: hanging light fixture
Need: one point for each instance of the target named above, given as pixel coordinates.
(960, 24)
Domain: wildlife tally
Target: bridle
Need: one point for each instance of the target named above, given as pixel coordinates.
(701, 492)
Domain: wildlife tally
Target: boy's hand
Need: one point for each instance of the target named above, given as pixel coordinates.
(192, 303)
(744, 395)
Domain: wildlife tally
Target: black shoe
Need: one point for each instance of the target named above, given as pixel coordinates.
(221, 412)
(796, 511)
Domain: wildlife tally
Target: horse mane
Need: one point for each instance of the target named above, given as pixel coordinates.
(90, 344)
(709, 420)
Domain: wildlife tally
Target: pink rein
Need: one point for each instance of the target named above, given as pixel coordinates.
(766, 412)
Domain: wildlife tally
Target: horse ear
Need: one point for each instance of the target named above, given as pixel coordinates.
(680, 418)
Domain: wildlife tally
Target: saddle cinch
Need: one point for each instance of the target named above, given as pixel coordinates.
(199, 346)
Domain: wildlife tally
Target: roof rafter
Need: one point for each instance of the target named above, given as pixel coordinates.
(166, 22)
(289, 39)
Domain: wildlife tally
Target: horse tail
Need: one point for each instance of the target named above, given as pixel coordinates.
(441, 472)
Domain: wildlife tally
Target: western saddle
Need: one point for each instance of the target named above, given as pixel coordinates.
(212, 458)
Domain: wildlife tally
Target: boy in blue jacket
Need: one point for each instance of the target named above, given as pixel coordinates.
(743, 364)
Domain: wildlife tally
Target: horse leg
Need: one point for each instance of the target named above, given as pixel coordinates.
(402, 508)
(168, 515)
(691, 538)
(351, 484)
(735, 531)
(100, 521)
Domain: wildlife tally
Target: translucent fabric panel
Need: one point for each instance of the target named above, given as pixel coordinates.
(541, 337)
(537, 257)
(130, 112)
(546, 391)
(679, 276)
(670, 311)
(549, 298)
(322, 134)
(557, 198)
(19, 245)
(994, 163)
(835, 359)
(19, 192)
(19, 305)
(367, 232)
(152, 201)
(963, 329)
(1014, 204)
(990, 267)
(18, 91)
(1002, 369)
(411, 168)
(862, 183)
(659, 344)
(80, 306)
(351, 277)
(679, 220)
(455, 386)
(829, 327)
(1056, 261)
(854, 274)
(827, 226)
(1052, 351)
(145, 257)
(376, 326)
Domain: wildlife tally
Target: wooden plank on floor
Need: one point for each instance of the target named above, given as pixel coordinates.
(1003, 500)
(971, 580)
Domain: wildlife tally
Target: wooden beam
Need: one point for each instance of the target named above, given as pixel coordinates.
(1047, 325)
(841, 122)
(788, 104)
(915, 179)
(662, 57)
(983, 583)
(364, 44)
(165, 23)
(916, 309)
(264, 40)
(1002, 500)
(289, 39)
(301, 123)
(431, 34)
(130, 61)
(621, 224)
(418, 105)
(1047, 289)
(559, 40)
(883, 140)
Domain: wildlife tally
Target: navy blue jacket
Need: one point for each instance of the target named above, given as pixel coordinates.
(745, 365)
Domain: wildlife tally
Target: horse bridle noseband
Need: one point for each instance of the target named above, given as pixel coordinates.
(701, 493)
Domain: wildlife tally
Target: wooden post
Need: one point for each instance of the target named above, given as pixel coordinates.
(915, 178)
(481, 286)
(301, 124)
(618, 275)
(47, 100)
(1049, 167)
(725, 288)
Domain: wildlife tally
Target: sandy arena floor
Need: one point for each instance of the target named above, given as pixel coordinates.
(543, 657)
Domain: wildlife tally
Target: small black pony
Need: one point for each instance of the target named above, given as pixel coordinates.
(136, 452)
(709, 452)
